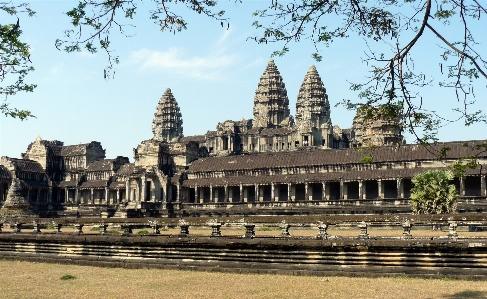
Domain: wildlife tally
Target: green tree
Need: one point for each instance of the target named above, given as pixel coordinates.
(15, 61)
(433, 193)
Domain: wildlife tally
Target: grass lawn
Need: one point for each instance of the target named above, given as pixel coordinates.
(37, 280)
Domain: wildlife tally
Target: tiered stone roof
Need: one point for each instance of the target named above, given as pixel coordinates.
(312, 104)
(168, 122)
(271, 104)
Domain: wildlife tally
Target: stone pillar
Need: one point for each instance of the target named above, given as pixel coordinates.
(273, 194)
(202, 195)
(323, 191)
(341, 189)
(127, 191)
(241, 193)
(249, 231)
(196, 195)
(363, 230)
(360, 189)
(211, 194)
(483, 191)
(118, 196)
(92, 198)
(345, 190)
(379, 188)
(256, 193)
(66, 195)
(143, 196)
(106, 196)
(226, 193)
(462, 187)
(289, 192)
(306, 193)
(178, 195)
(76, 195)
(400, 188)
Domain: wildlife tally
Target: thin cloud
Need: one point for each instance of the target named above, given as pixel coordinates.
(178, 60)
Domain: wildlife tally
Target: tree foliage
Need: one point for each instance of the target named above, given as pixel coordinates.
(391, 30)
(15, 61)
(433, 193)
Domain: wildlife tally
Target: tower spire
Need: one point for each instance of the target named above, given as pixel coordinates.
(271, 104)
(168, 123)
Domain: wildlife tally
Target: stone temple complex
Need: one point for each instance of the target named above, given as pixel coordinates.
(271, 163)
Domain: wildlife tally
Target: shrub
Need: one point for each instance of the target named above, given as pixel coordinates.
(68, 277)
(433, 193)
(143, 232)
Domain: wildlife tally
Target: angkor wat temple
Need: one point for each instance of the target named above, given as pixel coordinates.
(273, 163)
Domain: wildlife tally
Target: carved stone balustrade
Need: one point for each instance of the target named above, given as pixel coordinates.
(249, 230)
(323, 227)
(17, 227)
(452, 230)
(103, 228)
(36, 227)
(127, 229)
(78, 228)
(363, 230)
(184, 228)
(406, 226)
(285, 229)
(57, 227)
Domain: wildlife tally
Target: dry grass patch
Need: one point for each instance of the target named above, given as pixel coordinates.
(36, 280)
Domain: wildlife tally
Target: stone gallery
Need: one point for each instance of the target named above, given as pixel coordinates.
(272, 162)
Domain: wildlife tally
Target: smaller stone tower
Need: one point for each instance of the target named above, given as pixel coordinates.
(168, 122)
(313, 110)
(271, 104)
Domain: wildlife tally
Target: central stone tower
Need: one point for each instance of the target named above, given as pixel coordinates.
(271, 104)
(168, 122)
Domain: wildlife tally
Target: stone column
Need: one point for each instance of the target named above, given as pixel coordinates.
(289, 192)
(306, 193)
(273, 194)
(462, 187)
(178, 195)
(107, 201)
(196, 195)
(202, 195)
(76, 195)
(379, 188)
(211, 194)
(341, 189)
(142, 196)
(241, 193)
(226, 198)
(360, 190)
(127, 191)
(345, 190)
(483, 186)
(92, 198)
(118, 196)
(66, 195)
(400, 188)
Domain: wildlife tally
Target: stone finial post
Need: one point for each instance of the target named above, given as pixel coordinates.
(78, 228)
(216, 228)
(452, 230)
(406, 226)
(155, 227)
(36, 227)
(17, 227)
(103, 228)
(249, 230)
(285, 229)
(363, 230)
(57, 227)
(127, 229)
(184, 228)
(323, 227)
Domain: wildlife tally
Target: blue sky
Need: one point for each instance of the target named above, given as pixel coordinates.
(212, 72)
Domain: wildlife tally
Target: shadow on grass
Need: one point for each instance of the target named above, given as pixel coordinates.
(468, 294)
